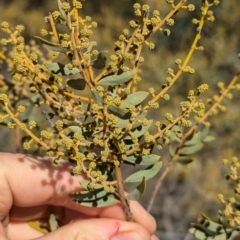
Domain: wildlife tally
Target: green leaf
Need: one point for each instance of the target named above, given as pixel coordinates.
(223, 236)
(142, 115)
(53, 222)
(198, 233)
(208, 139)
(119, 112)
(143, 160)
(121, 123)
(189, 137)
(107, 171)
(148, 173)
(107, 200)
(112, 91)
(86, 119)
(75, 129)
(38, 118)
(190, 150)
(207, 229)
(84, 184)
(184, 161)
(61, 69)
(52, 46)
(140, 130)
(114, 80)
(78, 84)
(176, 128)
(130, 144)
(171, 150)
(72, 123)
(173, 137)
(210, 225)
(63, 14)
(89, 119)
(202, 235)
(138, 192)
(97, 97)
(134, 99)
(95, 198)
(175, 132)
(100, 62)
(198, 137)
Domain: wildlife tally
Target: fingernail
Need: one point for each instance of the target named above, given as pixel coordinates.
(127, 236)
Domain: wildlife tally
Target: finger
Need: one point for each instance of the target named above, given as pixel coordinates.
(30, 181)
(94, 229)
(140, 215)
(66, 215)
(22, 231)
(154, 237)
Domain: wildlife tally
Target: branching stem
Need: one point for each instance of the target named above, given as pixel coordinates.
(188, 133)
(188, 57)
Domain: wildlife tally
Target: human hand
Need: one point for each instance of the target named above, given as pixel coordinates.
(32, 187)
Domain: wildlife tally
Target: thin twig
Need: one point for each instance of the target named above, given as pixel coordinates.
(122, 197)
(189, 132)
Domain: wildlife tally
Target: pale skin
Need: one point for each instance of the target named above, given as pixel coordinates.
(31, 187)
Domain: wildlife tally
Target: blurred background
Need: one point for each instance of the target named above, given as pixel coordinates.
(187, 190)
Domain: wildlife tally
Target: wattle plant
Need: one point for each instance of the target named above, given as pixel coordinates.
(227, 225)
(97, 118)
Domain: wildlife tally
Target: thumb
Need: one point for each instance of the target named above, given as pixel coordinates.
(99, 229)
